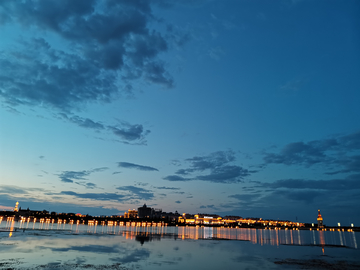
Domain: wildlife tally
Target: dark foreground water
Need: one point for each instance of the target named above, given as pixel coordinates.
(52, 246)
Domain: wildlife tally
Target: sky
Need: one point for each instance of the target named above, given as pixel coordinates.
(246, 108)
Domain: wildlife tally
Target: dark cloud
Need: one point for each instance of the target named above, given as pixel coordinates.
(70, 176)
(66, 176)
(341, 151)
(306, 196)
(136, 166)
(130, 132)
(214, 160)
(292, 198)
(59, 79)
(349, 163)
(350, 142)
(176, 178)
(350, 182)
(182, 172)
(138, 193)
(169, 188)
(320, 193)
(105, 43)
(95, 196)
(177, 201)
(337, 172)
(90, 185)
(141, 184)
(66, 180)
(218, 166)
(297, 153)
(101, 169)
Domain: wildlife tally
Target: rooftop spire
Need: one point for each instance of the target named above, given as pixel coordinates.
(319, 216)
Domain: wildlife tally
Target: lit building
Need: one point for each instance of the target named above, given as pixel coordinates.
(200, 219)
(208, 219)
(131, 214)
(320, 220)
(16, 209)
(186, 218)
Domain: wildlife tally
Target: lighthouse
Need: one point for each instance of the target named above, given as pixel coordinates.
(320, 220)
(16, 209)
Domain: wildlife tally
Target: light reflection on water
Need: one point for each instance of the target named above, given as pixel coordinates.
(168, 247)
(255, 236)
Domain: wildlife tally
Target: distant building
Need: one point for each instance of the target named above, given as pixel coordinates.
(320, 220)
(144, 212)
(131, 214)
(31, 213)
(170, 216)
(157, 213)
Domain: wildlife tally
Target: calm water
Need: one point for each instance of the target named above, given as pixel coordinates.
(52, 246)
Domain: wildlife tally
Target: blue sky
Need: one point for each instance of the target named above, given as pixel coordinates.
(246, 108)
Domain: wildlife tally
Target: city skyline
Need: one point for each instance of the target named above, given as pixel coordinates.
(148, 215)
(244, 108)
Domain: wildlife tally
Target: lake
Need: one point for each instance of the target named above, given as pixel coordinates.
(65, 246)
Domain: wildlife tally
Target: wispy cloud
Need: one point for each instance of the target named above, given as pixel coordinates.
(71, 176)
(129, 165)
(95, 196)
(82, 122)
(12, 190)
(137, 193)
(128, 133)
(167, 188)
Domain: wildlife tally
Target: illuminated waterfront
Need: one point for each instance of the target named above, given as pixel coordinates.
(47, 244)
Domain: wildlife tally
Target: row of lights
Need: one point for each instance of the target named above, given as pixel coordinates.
(90, 222)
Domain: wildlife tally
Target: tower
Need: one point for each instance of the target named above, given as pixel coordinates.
(320, 220)
(16, 209)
